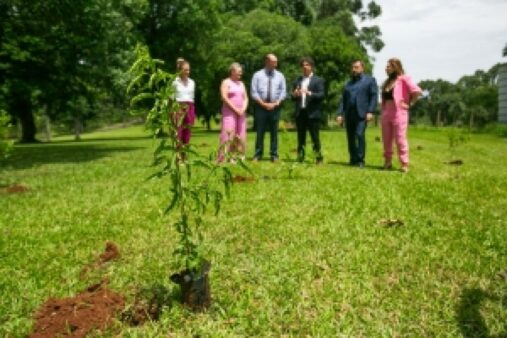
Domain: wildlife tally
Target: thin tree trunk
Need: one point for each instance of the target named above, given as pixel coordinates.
(438, 118)
(47, 127)
(207, 121)
(471, 123)
(78, 128)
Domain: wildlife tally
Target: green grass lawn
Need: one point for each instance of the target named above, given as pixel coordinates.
(297, 256)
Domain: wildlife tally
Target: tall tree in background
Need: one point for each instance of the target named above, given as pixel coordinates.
(57, 54)
(247, 38)
(187, 29)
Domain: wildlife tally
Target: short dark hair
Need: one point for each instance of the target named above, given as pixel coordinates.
(357, 60)
(308, 60)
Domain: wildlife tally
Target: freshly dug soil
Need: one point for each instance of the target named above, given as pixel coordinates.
(93, 309)
(242, 179)
(110, 253)
(14, 189)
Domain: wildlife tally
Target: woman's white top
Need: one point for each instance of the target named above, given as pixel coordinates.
(184, 93)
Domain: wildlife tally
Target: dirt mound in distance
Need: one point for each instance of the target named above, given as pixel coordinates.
(110, 253)
(14, 189)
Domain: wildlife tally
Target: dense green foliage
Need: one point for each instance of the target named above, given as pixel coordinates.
(304, 256)
(63, 63)
(57, 59)
(5, 144)
(472, 101)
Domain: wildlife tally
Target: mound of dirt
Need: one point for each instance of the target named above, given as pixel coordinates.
(110, 253)
(14, 189)
(92, 309)
(242, 179)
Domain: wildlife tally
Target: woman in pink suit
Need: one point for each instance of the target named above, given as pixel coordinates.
(399, 92)
(235, 102)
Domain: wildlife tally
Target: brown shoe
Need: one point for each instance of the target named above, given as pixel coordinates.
(388, 166)
(404, 168)
(255, 159)
(274, 159)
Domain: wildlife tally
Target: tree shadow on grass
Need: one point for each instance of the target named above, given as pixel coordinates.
(99, 139)
(367, 166)
(31, 155)
(468, 313)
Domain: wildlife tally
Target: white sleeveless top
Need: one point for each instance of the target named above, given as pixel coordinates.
(184, 93)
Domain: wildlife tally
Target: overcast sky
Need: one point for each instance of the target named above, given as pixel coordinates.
(441, 38)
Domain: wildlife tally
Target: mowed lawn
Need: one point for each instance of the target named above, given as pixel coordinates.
(304, 255)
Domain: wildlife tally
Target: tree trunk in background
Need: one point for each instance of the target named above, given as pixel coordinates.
(22, 108)
(78, 128)
(471, 123)
(47, 127)
(438, 118)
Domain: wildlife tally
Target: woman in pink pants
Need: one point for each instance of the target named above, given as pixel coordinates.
(235, 102)
(184, 88)
(399, 92)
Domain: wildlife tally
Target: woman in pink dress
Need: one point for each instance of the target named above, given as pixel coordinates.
(235, 103)
(399, 92)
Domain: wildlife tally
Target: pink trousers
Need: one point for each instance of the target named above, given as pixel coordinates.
(394, 127)
(233, 132)
(185, 131)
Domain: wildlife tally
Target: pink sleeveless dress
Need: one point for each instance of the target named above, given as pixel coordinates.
(233, 126)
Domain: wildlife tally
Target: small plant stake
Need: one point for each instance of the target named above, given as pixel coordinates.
(191, 195)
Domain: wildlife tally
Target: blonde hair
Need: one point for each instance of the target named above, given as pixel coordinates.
(180, 62)
(235, 65)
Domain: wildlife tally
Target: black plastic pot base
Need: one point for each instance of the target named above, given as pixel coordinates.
(195, 289)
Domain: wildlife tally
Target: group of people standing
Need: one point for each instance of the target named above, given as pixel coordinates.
(268, 91)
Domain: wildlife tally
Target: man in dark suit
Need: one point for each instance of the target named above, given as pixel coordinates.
(308, 94)
(360, 98)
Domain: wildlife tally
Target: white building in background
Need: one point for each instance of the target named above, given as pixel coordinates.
(502, 93)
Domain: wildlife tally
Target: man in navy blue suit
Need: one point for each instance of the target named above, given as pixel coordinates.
(360, 97)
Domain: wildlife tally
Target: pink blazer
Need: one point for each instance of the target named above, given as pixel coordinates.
(403, 87)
